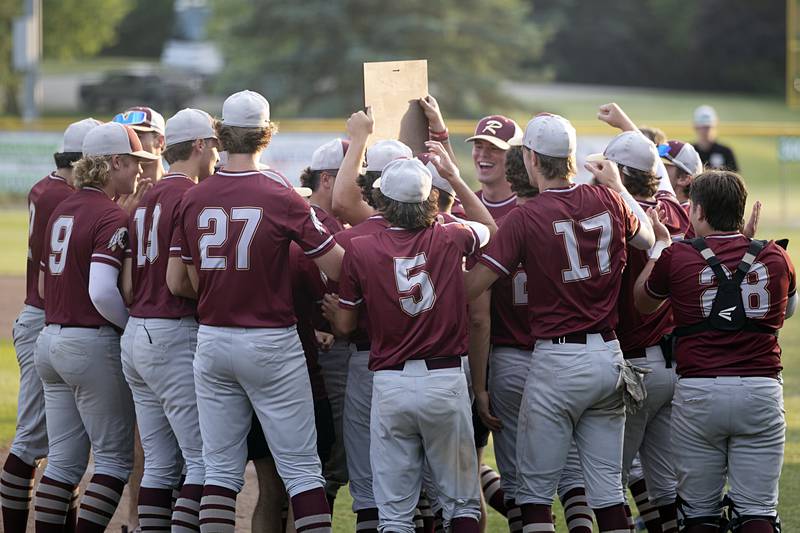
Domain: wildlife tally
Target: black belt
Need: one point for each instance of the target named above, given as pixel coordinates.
(635, 353)
(776, 376)
(363, 346)
(522, 347)
(580, 337)
(65, 326)
(433, 363)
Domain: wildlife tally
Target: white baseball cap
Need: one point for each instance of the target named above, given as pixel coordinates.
(436, 179)
(550, 135)
(329, 156)
(405, 180)
(630, 149)
(142, 118)
(75, 133)
(113, 138)
(382, 152)
(246, 109)
(684, 156)
(705, 115)
(189, 125)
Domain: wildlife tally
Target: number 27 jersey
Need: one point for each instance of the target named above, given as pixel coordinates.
(571, 242)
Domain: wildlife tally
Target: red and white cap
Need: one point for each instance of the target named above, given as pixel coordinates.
(405, 180)
(705, 115)
(550, 135)
(246, 109)
(142, 118)
(499, 130)
(684, 156)
(113, 138)
(382, 153)
(436, 179)
(75, 133)
(189, 125)
(630, 149)
(330, 155)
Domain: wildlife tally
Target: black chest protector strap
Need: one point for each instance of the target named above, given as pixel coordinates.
(727, 310)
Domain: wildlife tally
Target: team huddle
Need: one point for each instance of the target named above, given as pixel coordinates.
(373, 326)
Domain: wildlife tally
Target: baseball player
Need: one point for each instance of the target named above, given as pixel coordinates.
(729, 297)
(401, 272)
(149, 126)
(644, 338)
(160, 337)
(235, 230)
(30, 440)
(713, 154)
(511, 356)
(320, 177)
(571, 241)
(87, 401)
(683, 165)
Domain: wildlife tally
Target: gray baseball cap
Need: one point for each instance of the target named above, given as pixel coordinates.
(630, 149)
(550, 135)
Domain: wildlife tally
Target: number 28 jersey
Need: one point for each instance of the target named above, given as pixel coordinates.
(412, 285)
(572, 243)
(235, 228)
(683, 276)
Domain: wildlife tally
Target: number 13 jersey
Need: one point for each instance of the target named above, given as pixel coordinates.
(572, 244)
(235, 228)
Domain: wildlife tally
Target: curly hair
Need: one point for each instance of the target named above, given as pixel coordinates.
(92, 171)
(517, 174)
(311, 178)
(365, 182)
(236, 140)
(408, 216)
(638, 182)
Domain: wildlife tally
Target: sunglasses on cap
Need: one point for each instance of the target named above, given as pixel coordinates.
(663, 150)
(131, 118)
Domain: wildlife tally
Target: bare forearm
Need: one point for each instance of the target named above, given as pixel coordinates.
(347, 203)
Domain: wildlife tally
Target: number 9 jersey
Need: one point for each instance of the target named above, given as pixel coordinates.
(235, 229)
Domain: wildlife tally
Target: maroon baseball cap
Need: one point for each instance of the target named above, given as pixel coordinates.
(499, 130)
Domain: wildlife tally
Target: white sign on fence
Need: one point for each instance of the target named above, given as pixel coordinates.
(789, 149)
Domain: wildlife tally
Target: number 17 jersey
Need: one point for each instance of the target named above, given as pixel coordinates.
(571, 242)
(235, 230)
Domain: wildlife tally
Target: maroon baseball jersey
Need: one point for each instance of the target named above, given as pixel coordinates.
(328, 220)
(509, 309)
(87, 227)
(45, 195)
(683, 276)
(458, 209)
(498, 209)
(307, 289)
(635, 330)
(373, 224)
(236, 228)
(150, 228)
(572, 243)
(411, 283)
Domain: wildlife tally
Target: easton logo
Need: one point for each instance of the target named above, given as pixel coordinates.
(726, 313)
(492, 126)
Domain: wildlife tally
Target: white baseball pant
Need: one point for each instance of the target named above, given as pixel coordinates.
(87, 401)
(30, 438)
(356, 427)
(420, 414)
(647, 432)
(730, 425)
(571, 393)
(334, 366)
(241, 370)
(157, 356)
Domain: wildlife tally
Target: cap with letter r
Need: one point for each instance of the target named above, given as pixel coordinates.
(382, 153)
(75, 133)
(405, 180)
(705, 115)
(550, 135)
(245, 109)
(499, 130)
(113, 138)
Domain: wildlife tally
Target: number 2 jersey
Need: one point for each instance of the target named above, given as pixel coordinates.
(572, 243)
(683, 276)
(235, 229)
(411, 285)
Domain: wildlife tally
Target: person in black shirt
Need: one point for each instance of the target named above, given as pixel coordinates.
(712, 154)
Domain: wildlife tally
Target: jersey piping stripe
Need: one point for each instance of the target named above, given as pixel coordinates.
(726, 236)
(320, 247)
(54, 176)
(501, 203)
(496, 263)
(564, 189)
(351, 304)
(95, 189)
(172, 249)
(653, 293)
(108, 257)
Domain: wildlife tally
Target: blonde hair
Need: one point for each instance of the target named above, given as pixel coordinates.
(92, 171)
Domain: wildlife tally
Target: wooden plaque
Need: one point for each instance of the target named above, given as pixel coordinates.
(392, 89)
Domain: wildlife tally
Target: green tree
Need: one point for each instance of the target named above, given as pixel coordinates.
(307, 56)
(143, 31)
(71, 29)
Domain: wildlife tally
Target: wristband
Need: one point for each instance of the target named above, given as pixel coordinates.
(655, 252)
(440, 136)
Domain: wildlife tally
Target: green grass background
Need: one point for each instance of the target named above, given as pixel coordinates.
(759, 166)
